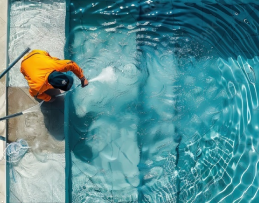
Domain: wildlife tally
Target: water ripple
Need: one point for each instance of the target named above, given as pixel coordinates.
(188, 86)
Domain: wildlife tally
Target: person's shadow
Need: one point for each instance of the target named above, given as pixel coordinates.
(53, 113)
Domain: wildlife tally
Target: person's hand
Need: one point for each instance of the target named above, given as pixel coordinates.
(53, 98)
(84, 81)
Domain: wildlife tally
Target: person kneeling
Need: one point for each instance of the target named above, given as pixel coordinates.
(45, 73)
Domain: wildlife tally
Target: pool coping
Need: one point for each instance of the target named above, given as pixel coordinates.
(3, 52)
(20, 93)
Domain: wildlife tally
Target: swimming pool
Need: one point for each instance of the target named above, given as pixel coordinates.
(176, 119)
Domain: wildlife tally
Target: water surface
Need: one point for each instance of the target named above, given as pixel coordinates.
(180, 123)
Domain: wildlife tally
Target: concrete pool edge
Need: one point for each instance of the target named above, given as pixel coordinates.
(43, 138)
(66, 121)
(3, 55)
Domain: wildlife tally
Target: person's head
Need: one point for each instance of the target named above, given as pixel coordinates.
(60, 80)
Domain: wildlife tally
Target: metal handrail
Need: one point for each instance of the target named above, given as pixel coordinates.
(15, 61)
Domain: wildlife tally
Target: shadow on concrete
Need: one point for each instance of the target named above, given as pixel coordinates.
(53, 113)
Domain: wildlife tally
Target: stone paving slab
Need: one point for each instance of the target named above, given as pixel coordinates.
(42, 129)
(42, 170)
(40, 175)
(3, 43)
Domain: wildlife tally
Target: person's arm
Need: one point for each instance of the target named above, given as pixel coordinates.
(42, 96)
(84, 81)
(68, 65)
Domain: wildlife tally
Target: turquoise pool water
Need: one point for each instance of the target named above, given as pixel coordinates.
(179, 121)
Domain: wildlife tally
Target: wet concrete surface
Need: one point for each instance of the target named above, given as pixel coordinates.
(43, 129)
(3, 40)
(41, 171)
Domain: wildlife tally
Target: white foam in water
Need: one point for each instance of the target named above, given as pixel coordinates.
(107, 75)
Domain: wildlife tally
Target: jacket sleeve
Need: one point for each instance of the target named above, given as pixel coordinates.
(42, 96)
(68, 65)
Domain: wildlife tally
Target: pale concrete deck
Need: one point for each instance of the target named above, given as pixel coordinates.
(3, 43)
(44, 164)
(41, 171)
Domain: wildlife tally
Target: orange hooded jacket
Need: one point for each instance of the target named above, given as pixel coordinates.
(36, 67)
